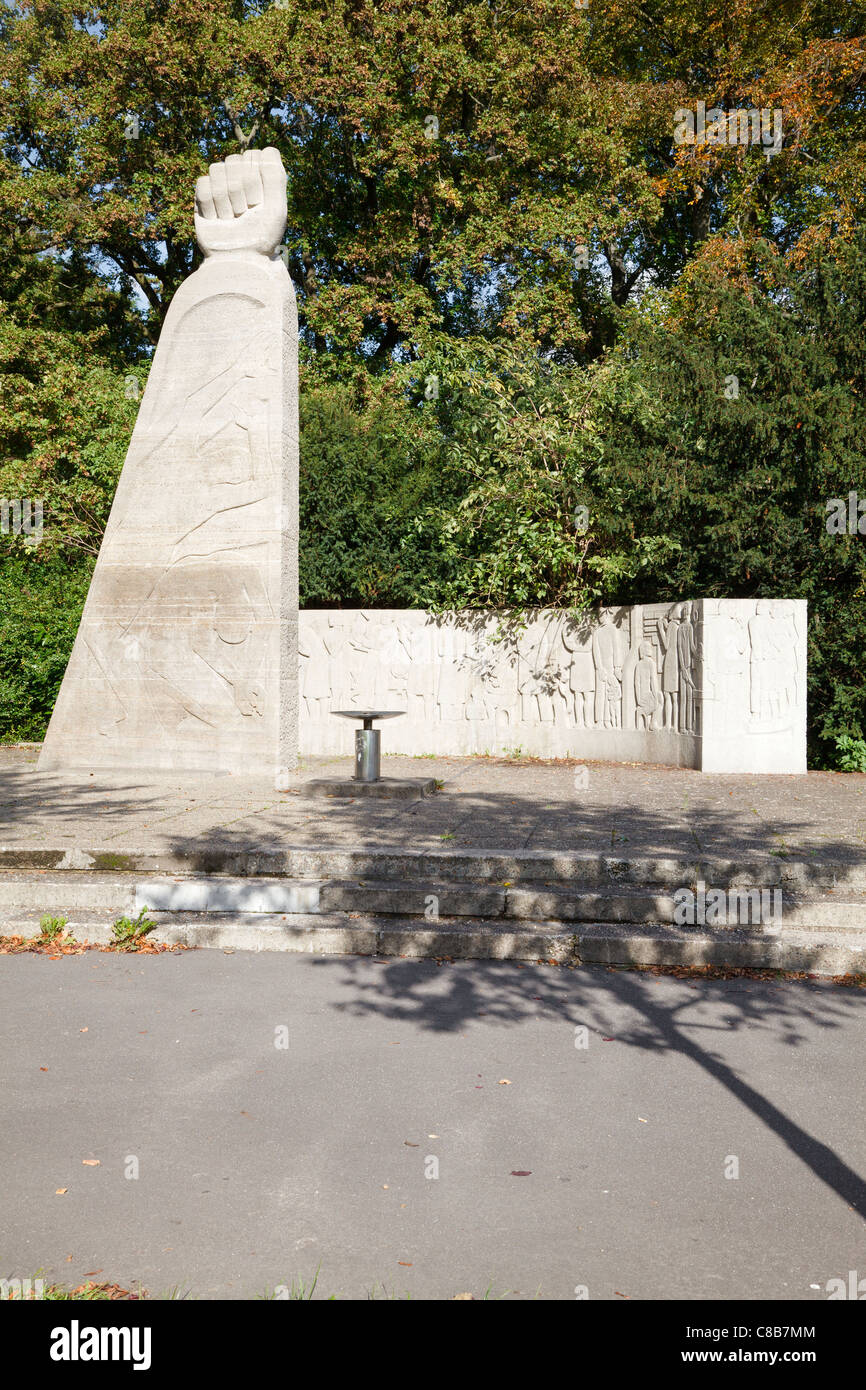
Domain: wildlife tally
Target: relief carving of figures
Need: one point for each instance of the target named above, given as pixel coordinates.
(581, 673)
(770, 664)
(608, 657)
(788, 641)
(668, 629)
(687, 645)
(648, 697)
(537, 682)
(731, 674)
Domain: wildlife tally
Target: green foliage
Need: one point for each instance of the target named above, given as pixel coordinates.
(516, 441)
(40, 608)
(445, 161)
(128, 932)
(521, 440)
(851, 754)
(51, 927)
(739, 472)
(66, 415)
(367, 468)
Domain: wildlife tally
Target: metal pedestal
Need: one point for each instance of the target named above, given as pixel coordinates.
(368, 743)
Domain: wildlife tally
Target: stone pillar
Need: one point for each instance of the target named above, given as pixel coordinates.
(186, 656)
(754, 685)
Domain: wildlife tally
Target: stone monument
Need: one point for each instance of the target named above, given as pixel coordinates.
(186, 656)
(713, 684)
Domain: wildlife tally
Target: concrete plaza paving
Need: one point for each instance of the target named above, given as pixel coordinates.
(484, 803)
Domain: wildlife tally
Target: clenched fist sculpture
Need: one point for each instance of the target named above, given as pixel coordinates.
(240, 205)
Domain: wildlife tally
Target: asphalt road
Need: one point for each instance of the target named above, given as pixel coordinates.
(284, 1113)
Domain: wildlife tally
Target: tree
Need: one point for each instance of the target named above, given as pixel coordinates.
(738, 413)
(455, 169)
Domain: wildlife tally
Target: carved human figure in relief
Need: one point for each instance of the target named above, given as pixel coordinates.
(537, 681)
(686, 649)
(787, 639)
(769, 671)
(607, 658)
(581, 674)
(668, 628)
(646, 687)
(731, 671)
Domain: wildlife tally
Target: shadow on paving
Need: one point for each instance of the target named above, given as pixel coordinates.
(483, 821)
(633, 812)
(411, 993)
(25, 796)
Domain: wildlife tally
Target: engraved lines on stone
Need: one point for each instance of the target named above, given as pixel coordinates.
(231, 435)
(165, 411)
(773, 664)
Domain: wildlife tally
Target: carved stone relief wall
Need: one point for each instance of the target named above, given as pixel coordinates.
(755, 685)
(670, 683)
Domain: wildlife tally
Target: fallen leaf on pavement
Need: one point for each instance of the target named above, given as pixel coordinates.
(61, 1191)
(114, 1292)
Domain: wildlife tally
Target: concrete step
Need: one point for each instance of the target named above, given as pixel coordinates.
(126, 894)
(598, 943)
(319, 863)
(767, 910)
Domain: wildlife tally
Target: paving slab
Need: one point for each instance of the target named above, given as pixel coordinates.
(485, 804)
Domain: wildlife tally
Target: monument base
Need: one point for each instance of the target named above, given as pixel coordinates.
(398, 788)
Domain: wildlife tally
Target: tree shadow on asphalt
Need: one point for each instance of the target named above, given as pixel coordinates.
(446, 998)
(507, 993)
